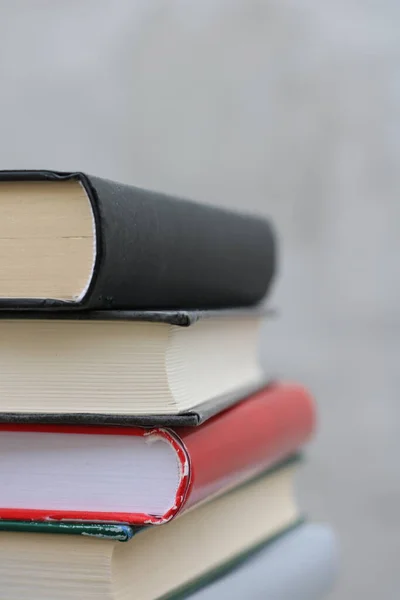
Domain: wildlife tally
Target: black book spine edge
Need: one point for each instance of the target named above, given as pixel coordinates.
(181, 318)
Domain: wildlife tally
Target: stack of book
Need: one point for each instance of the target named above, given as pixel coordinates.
(144, 452)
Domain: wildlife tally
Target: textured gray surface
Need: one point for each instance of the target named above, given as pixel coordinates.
(287, 107)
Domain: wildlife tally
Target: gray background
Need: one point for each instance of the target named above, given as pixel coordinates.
(287, 107)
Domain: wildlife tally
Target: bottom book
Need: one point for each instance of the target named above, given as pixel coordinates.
(300, 565)
(165, 561)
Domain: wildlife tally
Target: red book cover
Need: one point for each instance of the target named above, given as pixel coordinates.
(225, 451)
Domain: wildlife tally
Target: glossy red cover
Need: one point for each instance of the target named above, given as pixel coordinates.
(223, 452)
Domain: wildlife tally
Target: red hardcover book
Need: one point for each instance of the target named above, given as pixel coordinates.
(146, 476)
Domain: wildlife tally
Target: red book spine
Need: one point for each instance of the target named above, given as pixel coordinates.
(247, 439)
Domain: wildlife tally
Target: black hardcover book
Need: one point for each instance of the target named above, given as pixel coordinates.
(70, 240)
(143, 368)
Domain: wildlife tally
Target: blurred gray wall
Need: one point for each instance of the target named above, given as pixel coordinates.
(290, 108)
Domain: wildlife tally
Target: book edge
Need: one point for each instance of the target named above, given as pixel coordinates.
(227, 567)
(191, 418)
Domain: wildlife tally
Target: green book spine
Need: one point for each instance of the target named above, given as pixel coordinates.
(104, 531)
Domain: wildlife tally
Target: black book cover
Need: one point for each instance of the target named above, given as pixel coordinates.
(156, 251)
(180, 318)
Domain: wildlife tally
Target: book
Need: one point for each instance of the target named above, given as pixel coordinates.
(147, 476)
(301, 564)
(127, 367)
(158, 561)
(70, 240)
